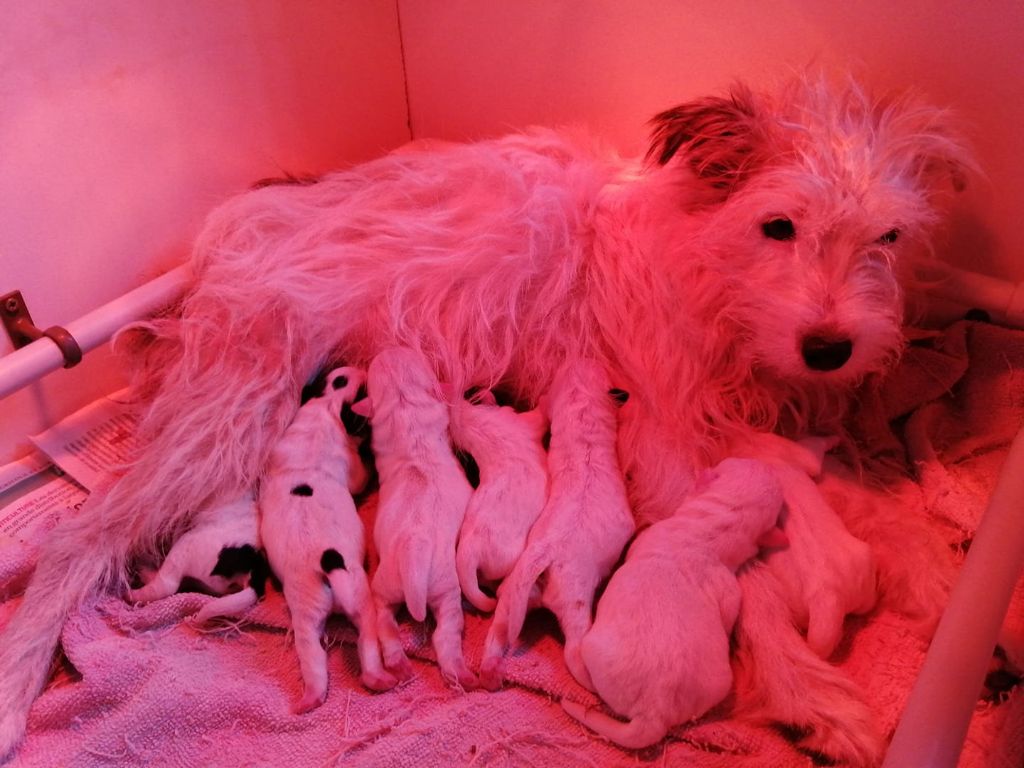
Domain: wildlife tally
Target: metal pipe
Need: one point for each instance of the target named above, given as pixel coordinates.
(24, 366)
(933, 726)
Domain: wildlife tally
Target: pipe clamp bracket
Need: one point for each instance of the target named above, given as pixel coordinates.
(22, 331)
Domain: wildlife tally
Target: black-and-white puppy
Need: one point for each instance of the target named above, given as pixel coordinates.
(221, 551)
(314, 537)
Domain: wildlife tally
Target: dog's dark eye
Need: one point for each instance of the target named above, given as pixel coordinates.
(341, 381)
(889, 237)
(779, 229)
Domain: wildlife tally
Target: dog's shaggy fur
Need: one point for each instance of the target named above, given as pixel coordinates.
(762, 233)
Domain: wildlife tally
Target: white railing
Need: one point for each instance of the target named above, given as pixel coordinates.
(33, 361)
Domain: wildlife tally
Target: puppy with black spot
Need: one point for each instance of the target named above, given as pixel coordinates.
(509, 451)
(422, 502)
(314, 537)
(221, 551)
(658, 652)
(583, 527)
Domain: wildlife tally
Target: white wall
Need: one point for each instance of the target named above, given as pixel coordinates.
(123, 122)
(479, 68)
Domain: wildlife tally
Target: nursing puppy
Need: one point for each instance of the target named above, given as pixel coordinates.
(314, 537)
(583, 527)
(658, 652)
(823, 584)
(743, 277)
(509, 452)
(222, 552)
(421, 504)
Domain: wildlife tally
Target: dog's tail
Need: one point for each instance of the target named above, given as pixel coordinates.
(415, 559)
(467, 560)
(779, 679)
(633, 734)
(64, 578)
(220, 403)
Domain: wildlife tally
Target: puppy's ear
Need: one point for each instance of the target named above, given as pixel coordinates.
(719, 139)
(448, 392)
(544, 406)
(773, 538)
(536, 420)
(363, 408)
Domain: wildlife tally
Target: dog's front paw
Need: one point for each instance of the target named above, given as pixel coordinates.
(856, 744)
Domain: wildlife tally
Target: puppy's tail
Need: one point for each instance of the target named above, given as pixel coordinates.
(779, 679)
(632, 734)
(518, 585)
(466, 564)
(414, 563)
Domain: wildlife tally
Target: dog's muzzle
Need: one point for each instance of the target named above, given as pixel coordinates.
(826, 354)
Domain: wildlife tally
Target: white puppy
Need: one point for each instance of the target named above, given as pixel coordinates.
(583, 527)
(221, 552)
(823, 583)
(423, 498)
(508, 449)
(314, 538)
(658, 652)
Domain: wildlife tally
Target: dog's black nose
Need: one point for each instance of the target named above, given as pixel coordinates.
(826, 354)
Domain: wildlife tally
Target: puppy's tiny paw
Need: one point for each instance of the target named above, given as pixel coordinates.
(310, 700)
(379, 681)
(399, 666)
(461, 678)
(491, 675)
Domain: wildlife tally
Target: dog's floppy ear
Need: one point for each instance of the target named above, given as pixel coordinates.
(720, 139)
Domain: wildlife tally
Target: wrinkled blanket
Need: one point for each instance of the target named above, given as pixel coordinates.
(143, 686)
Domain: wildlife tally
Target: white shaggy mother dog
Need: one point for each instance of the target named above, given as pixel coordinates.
(743, 278)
